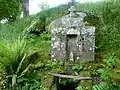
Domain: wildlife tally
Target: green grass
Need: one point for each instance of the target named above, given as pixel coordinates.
(14, 44)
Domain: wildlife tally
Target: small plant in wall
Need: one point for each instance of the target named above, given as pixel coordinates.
(79, 88)
(78, 67)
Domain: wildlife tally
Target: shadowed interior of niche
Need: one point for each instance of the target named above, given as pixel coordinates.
(71, 46)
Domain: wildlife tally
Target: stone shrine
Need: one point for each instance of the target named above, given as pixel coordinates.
(71, 39)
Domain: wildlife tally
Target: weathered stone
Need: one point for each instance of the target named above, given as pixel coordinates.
(71, 39)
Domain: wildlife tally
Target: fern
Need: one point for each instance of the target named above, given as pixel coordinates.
(100, 86)
(79, 88)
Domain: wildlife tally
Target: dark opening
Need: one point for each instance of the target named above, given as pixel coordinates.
(69, 85)
(71, 36)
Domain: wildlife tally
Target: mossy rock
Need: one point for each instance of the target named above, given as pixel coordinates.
(115, 76)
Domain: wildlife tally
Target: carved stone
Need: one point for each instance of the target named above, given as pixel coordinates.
(71, 39)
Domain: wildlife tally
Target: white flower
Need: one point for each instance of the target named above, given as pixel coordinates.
(78, 58)
(52, 55)
(53, 38)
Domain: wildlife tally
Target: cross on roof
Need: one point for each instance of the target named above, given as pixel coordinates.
(72, 9)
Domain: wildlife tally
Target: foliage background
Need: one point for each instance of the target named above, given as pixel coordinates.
(17, 36)
(10, 9)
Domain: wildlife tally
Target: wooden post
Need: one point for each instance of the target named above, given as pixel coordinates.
(55, 83)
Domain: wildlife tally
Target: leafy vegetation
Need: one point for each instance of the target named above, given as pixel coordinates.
(107, 27)
(25, 49)
(9, 9)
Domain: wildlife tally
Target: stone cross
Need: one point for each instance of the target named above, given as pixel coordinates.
(72, 11)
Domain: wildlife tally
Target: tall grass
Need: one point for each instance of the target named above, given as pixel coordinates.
(11, 54)
(17, 50)
(9, 32)
(13, 48)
